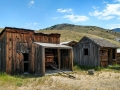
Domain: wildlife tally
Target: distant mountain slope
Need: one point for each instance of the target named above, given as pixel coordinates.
(76, 32)
(67, 35)
(73, 27)
(94, 30)
(116, 30)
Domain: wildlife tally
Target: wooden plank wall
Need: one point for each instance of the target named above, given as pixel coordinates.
(66, 61)
(14, 42)
(104, 59)
(2, 53)
(15, 48)
(92, 59)
(39, 60)
(118, 58)
(46, 38)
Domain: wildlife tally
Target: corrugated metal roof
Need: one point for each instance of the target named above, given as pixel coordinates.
(102, 42)
(50, 45)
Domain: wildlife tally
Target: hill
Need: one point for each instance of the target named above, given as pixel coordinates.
(1, 29)
(76, 32)
(116, 30)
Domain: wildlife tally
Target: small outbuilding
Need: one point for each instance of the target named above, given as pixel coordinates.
(22, 51)
(95, 52)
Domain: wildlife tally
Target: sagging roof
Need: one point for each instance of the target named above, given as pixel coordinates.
(50, 45)
(102, 42)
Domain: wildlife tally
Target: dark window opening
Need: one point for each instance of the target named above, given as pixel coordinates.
(113, 54)
(86, 51)
(26, 62)
(25, 55)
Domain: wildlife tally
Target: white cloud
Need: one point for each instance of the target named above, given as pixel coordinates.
(116, 0)
(111, 11)
(65, 10)
(35, 23)
(105, 2)
(76, 18)
(94, 7)
(31, 25)
(71, 16)
(55, 17)
(31, 3)
(112, 26)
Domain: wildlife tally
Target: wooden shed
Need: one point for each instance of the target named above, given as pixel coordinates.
(24, 51)
(95, 52)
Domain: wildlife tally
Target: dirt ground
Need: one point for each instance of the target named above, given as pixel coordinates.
(99, 81)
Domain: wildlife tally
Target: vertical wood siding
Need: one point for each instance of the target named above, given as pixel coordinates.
(92, 59)
(39, 60)
(2, 53)
(14, 43)
(66, 60)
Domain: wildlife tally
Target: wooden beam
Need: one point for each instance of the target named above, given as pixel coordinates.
(111, 56)
(59, 62)
(71, 59)
(43, 60)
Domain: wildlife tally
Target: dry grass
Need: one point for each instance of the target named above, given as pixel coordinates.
(101, 80)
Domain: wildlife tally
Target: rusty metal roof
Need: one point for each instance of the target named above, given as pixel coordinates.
(51, 45)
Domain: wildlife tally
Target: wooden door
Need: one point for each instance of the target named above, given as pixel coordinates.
(104, 57)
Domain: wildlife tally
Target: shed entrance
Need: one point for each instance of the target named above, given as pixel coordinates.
(59, 58)
(26, 62)
(51, 58)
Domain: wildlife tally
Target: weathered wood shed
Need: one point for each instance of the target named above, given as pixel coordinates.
(95, 52)
(24, 51)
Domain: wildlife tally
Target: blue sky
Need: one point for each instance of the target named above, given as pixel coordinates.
(39, 14)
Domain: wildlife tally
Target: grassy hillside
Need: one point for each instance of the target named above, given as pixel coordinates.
(76, 32)
(1, 29)
(84, 29)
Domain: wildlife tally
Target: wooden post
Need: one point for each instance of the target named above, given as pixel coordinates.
(59, 62)
(43, 60)
(71, 59)
(116, 55)
(111, 56)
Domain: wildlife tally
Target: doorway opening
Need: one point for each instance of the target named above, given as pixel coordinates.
(51, 58)
(26, 62)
